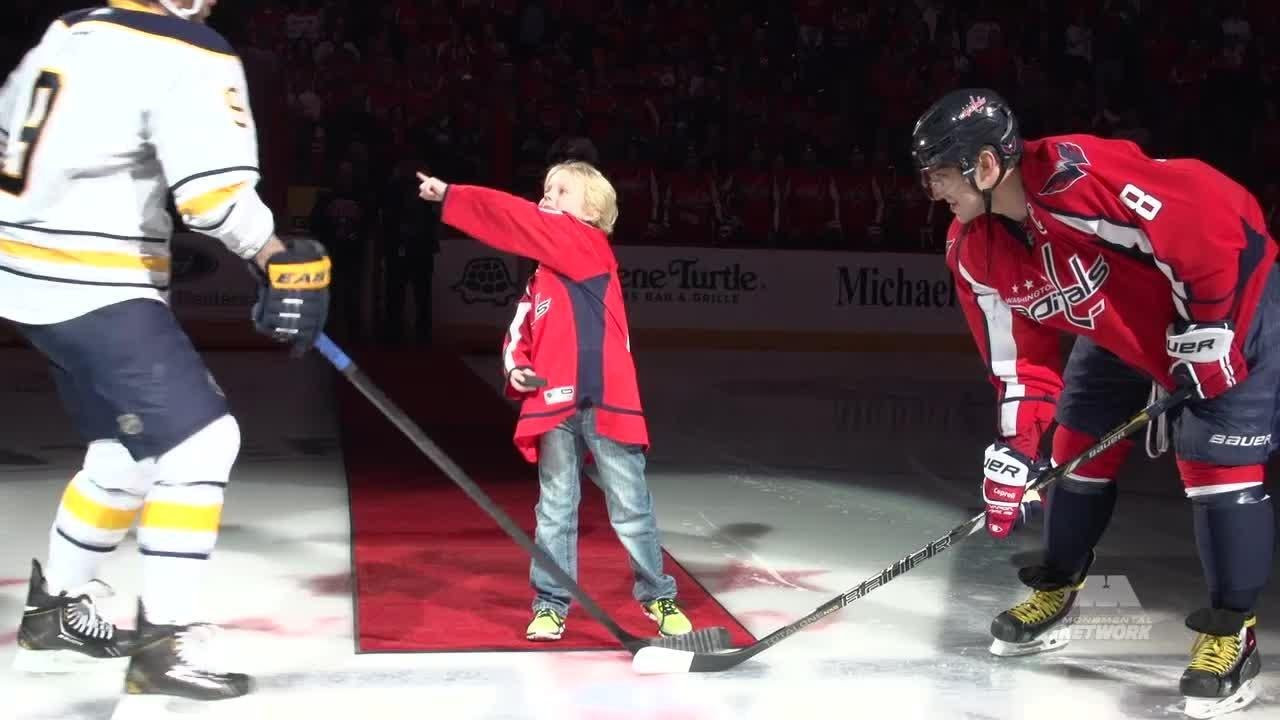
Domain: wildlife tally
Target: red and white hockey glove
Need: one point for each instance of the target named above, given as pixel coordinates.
(1206, 358)
(1006, 474)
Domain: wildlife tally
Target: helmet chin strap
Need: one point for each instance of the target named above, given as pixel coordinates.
(986, 197)
(184, 13)
(986, 194)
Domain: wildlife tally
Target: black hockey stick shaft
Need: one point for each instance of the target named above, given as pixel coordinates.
(366, 386)
(725, 660)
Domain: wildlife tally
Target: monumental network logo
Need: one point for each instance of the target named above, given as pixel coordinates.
(486, 280)
(1107, 608)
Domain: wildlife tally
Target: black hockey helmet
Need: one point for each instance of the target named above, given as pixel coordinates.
(958, 126)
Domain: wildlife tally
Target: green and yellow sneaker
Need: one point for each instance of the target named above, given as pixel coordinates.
(670, 618)
(547, 624)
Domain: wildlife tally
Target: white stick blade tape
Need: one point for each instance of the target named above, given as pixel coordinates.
(653, 660)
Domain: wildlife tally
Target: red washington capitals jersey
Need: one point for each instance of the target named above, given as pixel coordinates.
(1115, 247)
(571, 327)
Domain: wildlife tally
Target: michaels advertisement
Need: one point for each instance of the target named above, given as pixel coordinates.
(725, 289)
(788, 291)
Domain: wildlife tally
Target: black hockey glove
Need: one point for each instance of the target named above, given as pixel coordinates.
(293, 295)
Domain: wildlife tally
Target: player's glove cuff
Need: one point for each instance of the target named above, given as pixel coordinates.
(1206, 358)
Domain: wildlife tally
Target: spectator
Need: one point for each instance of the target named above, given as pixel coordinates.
(807, 196)
(340, 220)
(504, 85)
(410, 243)
(751, 200)
(857, 194)
(691, 202)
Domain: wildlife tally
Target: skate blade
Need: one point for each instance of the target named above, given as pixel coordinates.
(168, 707)
(1052, 640)
(63, 661)
(1213, 707)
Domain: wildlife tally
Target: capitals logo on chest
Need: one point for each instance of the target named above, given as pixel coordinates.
(1070, 293)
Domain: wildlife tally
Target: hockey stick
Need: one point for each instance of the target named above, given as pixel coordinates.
(704, 640)
(665, 660)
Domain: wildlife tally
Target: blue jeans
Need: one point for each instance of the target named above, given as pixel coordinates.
(619, 471)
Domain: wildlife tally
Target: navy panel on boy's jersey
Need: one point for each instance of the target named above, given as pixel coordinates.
(128, 371)
(1240, 427)
(587, 299)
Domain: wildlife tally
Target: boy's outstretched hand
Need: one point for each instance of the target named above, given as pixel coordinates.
(432, 189)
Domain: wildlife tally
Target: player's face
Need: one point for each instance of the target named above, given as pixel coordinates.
(950, 186)
(565, 192)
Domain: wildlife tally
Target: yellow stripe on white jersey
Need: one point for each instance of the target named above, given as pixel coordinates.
(89, 258)
(207, 202)
(87, 226)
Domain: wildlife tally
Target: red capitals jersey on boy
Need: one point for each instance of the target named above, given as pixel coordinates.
(1116, 246)
(571, 325)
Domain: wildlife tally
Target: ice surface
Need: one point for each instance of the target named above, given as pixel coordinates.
(781, 480)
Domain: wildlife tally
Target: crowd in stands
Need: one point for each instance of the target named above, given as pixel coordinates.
(722, 123)
(726, 123)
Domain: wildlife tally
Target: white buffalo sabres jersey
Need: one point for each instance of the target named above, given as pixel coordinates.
(118, 109)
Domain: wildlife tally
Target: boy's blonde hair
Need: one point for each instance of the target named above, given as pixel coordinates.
(599, 196)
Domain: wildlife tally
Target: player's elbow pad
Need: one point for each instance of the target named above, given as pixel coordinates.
(244, 223)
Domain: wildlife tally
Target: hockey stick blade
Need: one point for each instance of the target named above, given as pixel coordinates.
(655, 660)
(704, 640)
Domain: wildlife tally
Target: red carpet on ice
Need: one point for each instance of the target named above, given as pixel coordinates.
(433, 572)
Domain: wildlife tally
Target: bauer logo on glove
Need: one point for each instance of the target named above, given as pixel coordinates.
(293, 300)
(1205, 358)
(1014, 470)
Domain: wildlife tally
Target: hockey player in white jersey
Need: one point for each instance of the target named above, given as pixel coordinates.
(114, 112)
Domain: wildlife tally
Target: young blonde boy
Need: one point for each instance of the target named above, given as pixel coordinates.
(570, 332)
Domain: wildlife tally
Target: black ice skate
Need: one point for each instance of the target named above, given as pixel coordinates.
(1036, 625)
(170, 671)
(1224, 663)
(65, 632)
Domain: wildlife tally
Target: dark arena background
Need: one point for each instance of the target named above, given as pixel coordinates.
(817, 406)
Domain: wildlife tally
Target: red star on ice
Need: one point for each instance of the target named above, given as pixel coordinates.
(737, 575)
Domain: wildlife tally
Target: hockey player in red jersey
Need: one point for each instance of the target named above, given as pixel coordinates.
(1164, 271)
